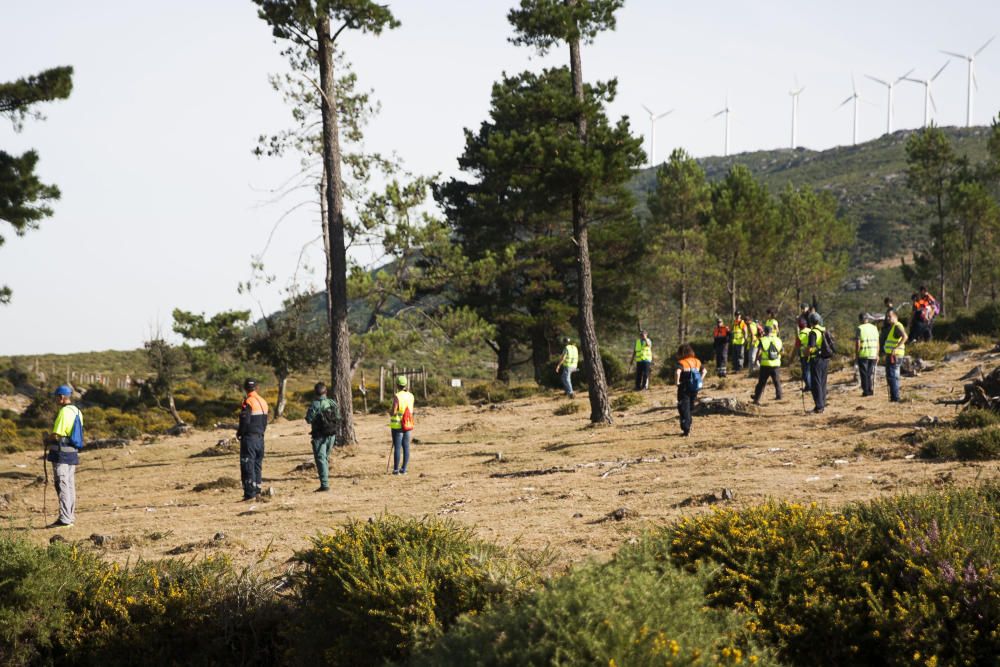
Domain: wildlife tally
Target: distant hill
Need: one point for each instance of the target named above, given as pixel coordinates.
(868, 181)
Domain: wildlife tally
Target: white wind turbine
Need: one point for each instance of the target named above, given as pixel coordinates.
(726, 111)
(972, 76)
(857, 98)
(795, 92)
(890, 85)
(928, 97)
(653, 117)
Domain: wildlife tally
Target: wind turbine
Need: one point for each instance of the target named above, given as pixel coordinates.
(972, 76)
(653, 117)
(928, 97)
(890, 85)
(857, 98)
(795, 92)
(726, 111)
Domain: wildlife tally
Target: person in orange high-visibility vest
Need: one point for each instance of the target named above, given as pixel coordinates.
(720, 343)
(253, 423)
(401, 425)
(687, 386)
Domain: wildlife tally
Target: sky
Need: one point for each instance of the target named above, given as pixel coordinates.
(164, 205)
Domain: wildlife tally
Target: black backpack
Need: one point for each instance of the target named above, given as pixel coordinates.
(327, 421)
(828, 348)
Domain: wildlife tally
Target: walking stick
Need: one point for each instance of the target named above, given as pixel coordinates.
(45, 487)
(802, 394)
(388, 456)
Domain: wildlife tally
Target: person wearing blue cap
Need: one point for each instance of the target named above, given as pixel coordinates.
(63, 445)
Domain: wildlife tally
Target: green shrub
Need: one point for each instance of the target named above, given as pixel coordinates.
(984, 322)
(627, 612)
(375, 591)
(932, 350)
(8, 431)
(6, 387)
(976, 341)
(875, 584)
(495, 392)
(626, 401)
(966, 445)
(565, 409)
(975, 418)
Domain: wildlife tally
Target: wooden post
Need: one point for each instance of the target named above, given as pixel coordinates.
(381, 384)
(423, 377)
(364, 391)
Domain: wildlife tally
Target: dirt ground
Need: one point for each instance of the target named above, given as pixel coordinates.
(142, 496)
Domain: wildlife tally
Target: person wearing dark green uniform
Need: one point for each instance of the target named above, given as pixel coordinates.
(323, 416)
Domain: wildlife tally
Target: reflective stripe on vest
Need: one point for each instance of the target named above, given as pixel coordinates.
(765, 345)
(892, 341)
(570, 356)
(404, 400)
(643, 350)
(868, 339)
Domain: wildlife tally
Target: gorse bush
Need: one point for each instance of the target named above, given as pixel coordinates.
(932, 350)
(629, 612)
(373, 591)
(975, 418)
(565, 409)
(966, 445)
(908, 580)
(626, 401)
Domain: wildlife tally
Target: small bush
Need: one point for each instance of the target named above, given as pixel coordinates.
(626, 401)
(932, 350)
(375, 591)
(985, 322)
(628, 612)
(8, 431)
(975, 418)
(968, 445)
(6, 387)
(565, 409)
(976, 342)
(495, 392)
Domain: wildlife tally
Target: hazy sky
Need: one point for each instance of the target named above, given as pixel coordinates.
(163, 203)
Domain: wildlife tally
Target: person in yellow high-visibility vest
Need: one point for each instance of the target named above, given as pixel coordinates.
(567, 365)
(402, 403)
(769, 354)
(895, 350)
(866, 339)
(737, 340)
(642, 355)
(63, 444)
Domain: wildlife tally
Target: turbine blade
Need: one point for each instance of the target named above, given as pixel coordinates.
(884, 83)
(940, 70)
(955, 55)
(716, 115)
(648, 110)
(905, 75)
(933, 103)
(845, 101)
(665, 113)
(906, 78)
(980, 49)
(975, 82)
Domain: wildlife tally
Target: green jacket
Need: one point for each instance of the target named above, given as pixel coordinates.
(318, 406)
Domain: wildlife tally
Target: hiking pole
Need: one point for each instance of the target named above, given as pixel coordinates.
(45, 487)
(802, 394)
(388, 456)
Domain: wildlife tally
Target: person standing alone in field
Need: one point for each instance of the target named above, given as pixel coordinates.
(866, 350)
(567, 365)
(642, 355)
(688, 378)
(323, 416)
(401, 425)
(720, 344)
(64, 444)
(253, 423)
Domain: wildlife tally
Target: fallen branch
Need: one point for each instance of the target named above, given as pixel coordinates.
(530, 473)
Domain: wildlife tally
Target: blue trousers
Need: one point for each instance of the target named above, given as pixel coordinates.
(806, 375)
(892, 379)
(251, 464)
(400, 448)
(566, 375)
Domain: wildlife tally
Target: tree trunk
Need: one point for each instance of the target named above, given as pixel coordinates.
(172, 408)
(504, 352)
(600, 406)
(941, 253)
(336, 287)
(539, 353)
(279, 410)
(683, 295)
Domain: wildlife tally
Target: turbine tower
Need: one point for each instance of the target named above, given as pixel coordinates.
(857, 98)
(972, 76)
(726, 111)
(928, 97)
(890, 85)
(653, 117)
(795, 92)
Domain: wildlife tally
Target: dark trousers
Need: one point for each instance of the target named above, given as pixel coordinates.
(892, 377)
(721, 352)
(642, 374)
(866, 371)
(685, 401)
(251, 464)
(806, 377)
(817, 371)
(737, 357)
(763, 374)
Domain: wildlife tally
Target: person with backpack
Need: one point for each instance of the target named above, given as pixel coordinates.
(401, 425)
(801, 344)
(894, 349)
(754, 332)
(253, 423)
(323, 416)
(772, 322)
(688, 377)
(567, 365)
(929, 311)
(720, 344)
(819, 351)
(769, 353)
(866, 342)
(63, 446)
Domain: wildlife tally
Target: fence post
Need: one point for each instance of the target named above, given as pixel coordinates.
(364, 390)
(423, 377)
(381, 384)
